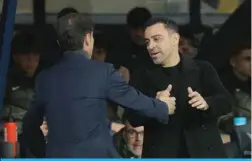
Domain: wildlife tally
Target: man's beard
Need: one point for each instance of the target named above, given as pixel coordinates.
(130, 147)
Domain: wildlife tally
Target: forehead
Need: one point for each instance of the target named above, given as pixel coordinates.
(246, 52)
(138, 128)
(156, 29)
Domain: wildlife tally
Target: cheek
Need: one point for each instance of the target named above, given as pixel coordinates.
(23, 62)
(244, 66)
(130, 140)
(248, 66)
(166, 47)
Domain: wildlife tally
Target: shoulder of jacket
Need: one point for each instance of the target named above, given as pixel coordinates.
(203, 64)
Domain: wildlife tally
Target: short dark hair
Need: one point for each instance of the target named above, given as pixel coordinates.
(26, 42)
(71, 30)
(243, 45)
(186, 32)
(137, 17)
(168, 23)
(66, 11)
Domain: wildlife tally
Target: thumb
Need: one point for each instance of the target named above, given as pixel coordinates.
(189, 89)
(169, 88)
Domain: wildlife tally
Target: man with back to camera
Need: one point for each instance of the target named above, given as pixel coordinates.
(72, 96)
(200, 99)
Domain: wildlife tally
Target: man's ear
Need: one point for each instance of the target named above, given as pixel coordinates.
(175, 39)
(86, 40)
(232, 62)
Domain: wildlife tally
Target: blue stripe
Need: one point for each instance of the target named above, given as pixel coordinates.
(125, 159)
(8, 20)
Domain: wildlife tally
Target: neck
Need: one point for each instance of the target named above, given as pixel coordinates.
(240, 76)
(172, 60)
(83, 52)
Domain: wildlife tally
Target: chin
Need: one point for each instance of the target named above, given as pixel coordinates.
(138, 153)
(157, 62)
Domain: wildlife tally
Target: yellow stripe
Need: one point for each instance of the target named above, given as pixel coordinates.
(227, 6)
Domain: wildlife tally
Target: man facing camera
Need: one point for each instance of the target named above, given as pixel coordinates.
(197, 89)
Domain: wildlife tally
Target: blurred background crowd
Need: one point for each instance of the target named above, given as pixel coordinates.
(217, 31)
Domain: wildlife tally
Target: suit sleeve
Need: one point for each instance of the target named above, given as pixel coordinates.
(216, 96)
(128, 97)
(32, 135)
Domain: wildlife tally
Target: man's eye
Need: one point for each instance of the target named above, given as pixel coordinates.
(157, 39)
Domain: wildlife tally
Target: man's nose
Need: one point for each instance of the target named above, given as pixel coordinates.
(150, 46)
(139, 137)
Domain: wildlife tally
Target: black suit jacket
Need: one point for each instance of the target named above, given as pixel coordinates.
(72, 95)
(197, 127)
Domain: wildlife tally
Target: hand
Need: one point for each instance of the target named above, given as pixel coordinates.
(125, 73)
(116, 127)
(165, 97)
(44, 128)
(196, 100)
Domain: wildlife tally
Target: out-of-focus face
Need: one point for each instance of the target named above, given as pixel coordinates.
(161, 43)
(99, 54)
(134, 138)
(186, 48)
(27, 62)
(137, 36)
(241, 63)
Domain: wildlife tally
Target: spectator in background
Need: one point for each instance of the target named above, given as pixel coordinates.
(131, 51)
(26, 50)
(129, 141)
(237, 81)
(100, 47)
(100, 54)
(187, 43)
(136, 18)
(20, 81)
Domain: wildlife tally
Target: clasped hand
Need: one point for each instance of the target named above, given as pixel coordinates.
(195, 99)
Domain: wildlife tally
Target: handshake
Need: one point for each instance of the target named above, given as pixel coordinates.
(164, 96)
(195, 99)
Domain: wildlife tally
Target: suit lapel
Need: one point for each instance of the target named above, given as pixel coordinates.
(188, 78)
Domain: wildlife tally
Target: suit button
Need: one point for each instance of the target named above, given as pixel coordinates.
(204, 127)
(210, 148)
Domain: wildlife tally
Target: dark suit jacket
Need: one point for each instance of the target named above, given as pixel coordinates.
(197, 127)
(72, 95)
